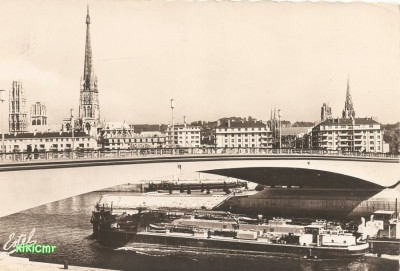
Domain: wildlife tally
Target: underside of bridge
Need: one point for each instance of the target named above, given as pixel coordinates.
(301, 177)
(299, 192)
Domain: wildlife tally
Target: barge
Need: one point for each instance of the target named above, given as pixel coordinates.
(223, 230)
(318, 240)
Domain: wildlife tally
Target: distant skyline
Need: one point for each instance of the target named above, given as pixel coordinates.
(214, 59)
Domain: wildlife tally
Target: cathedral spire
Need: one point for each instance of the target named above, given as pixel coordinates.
(88, 72)
(89, 109)
(348, 111)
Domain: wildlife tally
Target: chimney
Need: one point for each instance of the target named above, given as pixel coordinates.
(218, 122)
(229, 123)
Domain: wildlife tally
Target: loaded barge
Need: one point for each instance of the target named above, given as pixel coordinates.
(223, 230)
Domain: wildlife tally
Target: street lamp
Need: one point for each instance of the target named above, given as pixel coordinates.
(184, 135)
(172, 131)
(353, 147)
(280, 127)
(2, 99)
(72, 130)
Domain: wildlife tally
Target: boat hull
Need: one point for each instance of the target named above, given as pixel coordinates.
(238, 245)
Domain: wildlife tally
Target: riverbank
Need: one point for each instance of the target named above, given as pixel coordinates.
(9, 263)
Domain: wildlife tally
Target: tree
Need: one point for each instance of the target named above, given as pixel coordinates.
(259, 187)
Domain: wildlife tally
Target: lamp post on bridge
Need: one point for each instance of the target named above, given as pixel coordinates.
(280, 130)
(72, 132)
(2, 99)
(172, 122)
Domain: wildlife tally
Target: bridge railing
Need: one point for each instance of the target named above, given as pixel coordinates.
(152, 152)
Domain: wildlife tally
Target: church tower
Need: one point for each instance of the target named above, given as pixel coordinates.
(89, 109)
(18, 114)
(348, 111)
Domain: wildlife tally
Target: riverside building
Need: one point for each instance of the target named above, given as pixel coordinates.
(49, 141)
(348, 134)
(119, 135)
(238, 134)
(184, 135)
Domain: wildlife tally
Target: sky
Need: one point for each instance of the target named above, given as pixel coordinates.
(215, 59)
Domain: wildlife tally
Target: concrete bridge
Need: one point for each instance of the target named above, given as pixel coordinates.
(57, 175)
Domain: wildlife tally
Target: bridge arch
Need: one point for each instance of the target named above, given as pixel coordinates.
(28, 184)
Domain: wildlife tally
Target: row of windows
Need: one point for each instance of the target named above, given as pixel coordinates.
(240, 135)
(241, 129)
(349, 133)
(239, 140)
(43, 146)
(48, 139)
(186, 133)
(350, 127)
(239, 146)
(135, 140)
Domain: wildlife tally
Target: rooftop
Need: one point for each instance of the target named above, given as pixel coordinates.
(348, 121)
(240, 124)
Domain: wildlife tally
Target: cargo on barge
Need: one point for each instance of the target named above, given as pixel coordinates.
(318, 240)
(223, 230)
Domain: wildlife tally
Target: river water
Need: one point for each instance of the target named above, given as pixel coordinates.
(66, 224)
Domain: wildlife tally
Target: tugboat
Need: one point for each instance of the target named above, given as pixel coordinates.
(382, 232)
(113, 229)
